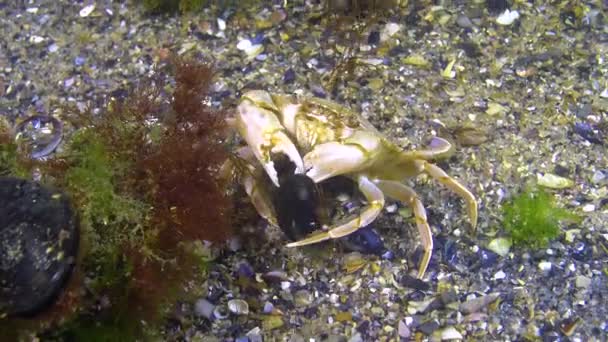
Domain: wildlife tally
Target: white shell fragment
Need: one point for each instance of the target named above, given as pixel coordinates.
(221, 24)
(476, 304)
(390, 29)
(238, 306)
(87, 10)
(552, 181)
(251, 50)
(450, 333)
(500, 246)
(507, 17)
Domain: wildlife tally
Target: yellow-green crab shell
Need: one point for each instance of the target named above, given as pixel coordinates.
(324, 139)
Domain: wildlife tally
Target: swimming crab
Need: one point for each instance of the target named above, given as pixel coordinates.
(324, 139)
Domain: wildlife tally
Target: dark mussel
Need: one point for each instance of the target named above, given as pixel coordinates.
(298, 203)
(296, 200)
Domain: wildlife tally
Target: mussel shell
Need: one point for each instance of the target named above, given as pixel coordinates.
(39, 241)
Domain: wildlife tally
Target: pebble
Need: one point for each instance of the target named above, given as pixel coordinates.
(302, 298)
(289, 76)
(582, 282)
(221, 24)
(487, 258)
(250, 49)
(499, 275)
(356, 337)
(507, 17)
(373, 38)
(428, 327)
(500, 246)
(476, 304)
(204, 308)
(238, 307)
(582, 251)
(403, 330)
(545, 266)
(390, 29)
(87, 10)
(450, 333)
(391, 208)
(268, 307)
(79, 60)
(53, 48)
(587, 208)
(598, 176)
(464, 21)
(255, 335)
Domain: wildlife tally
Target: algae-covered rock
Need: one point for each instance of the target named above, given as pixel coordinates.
(39, 241)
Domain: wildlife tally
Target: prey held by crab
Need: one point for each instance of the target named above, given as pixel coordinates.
(324, 139)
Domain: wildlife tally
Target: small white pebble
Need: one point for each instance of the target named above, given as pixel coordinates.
(36, 39)
(285, 285)
(457, 232)
(588, 208)
(550, 251)
(391, 208)
(389, 30)
(544, 266)
(87, 10)
(333, 298)
(221, 24)
(507, 17)
(53, 48)
(32, 10)
(582, 282)
(244, 44)
(500, 275)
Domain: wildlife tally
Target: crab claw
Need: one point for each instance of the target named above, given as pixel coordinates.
(258, 124)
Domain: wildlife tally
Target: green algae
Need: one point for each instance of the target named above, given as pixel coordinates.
(532, 218)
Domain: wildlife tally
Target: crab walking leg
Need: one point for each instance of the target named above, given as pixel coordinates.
(405, 194)
(443, 178)
(251, 181)
(375, 198)
(438, 148)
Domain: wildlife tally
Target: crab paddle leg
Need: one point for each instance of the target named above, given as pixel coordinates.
(443, 178)
(375, 198)
(407, 195)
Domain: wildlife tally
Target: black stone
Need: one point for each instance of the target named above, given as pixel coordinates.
(496, 6)
(373, 38)
(39, 241)
(289, 76)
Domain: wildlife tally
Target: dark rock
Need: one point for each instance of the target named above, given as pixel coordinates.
(373, 38)
(496, 6)
(429, 327)
(582, 252)
(39, 240)
(588, 132)
(289, 76)
(487, 258)
(365, 240)
(414, 283)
